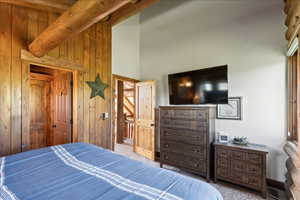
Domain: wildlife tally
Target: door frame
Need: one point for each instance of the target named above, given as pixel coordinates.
(52, 64)
(116, 78)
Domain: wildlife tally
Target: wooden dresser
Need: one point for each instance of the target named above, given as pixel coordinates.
(186, 135)
(242, 165)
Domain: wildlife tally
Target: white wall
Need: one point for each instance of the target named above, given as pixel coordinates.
(247, 35)
(126, 48)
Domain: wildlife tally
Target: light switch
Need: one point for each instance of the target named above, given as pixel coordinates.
(104, 116)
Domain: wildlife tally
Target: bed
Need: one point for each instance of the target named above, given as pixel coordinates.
(85, 172)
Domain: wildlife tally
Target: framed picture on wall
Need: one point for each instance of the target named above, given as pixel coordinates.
(232, 110)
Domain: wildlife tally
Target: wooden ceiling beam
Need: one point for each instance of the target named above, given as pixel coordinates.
(76, 19)
(293, 19)
(58, 6)
(287, 6)
(293, 13)
(130, 10)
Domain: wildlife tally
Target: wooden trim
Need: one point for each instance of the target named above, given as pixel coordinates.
(51, 62)
(292, 96)
(296, 108)
(129, 90)
(123, 78)
(41, 77)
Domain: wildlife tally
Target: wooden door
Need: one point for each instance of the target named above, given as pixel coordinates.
(144, 140)
(62, 108)
(40, 104)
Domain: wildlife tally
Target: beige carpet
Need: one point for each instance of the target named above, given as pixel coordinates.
(228, 191)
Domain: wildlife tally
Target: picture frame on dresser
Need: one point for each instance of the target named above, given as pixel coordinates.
(232, 110)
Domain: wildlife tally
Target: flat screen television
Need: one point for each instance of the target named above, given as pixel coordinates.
(204, 86)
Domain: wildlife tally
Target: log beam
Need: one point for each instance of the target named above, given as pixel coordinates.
(293, 19)
(130, 10)
(76, 19)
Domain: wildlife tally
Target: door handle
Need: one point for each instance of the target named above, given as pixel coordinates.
(152, 125)
(54, 126)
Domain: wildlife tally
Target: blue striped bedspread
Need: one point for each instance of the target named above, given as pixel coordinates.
(85, 172)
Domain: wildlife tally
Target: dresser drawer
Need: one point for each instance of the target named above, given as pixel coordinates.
(239, 177)
(238, 155)
(167, 113)
(198, 152)
(180, 160)
(222, 172)
(183, 124)
(255, 182)
(254, 158)
(200, 115)
(222, 153)
(185, 136)
(254, 169)
(223, 162)
(238, 166)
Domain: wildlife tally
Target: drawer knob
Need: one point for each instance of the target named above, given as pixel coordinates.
(166, 145)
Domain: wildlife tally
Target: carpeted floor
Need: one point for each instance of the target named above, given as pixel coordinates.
(229, 191)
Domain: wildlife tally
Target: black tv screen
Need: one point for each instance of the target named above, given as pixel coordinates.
(204, 86)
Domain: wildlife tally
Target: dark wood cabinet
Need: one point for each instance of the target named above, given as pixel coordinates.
(243, 165)
(186, 135)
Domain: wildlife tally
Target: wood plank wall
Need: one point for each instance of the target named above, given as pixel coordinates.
(92, 49)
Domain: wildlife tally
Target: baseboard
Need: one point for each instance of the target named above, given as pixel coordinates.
(275, 184)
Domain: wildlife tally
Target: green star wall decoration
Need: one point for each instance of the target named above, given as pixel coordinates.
(97, 87)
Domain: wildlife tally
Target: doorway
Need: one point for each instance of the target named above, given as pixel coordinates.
(124, 110)
(134, 116)
(50, 106)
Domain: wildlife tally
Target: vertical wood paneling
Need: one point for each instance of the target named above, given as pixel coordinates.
(108, 66)
(33, 26)
(92, 102)
(5, 86)
(80, 107)
(42, 22)
(25, 107)
(19, 32)
(86, 64)
(19, 27)
(51, 18)
(100, 105)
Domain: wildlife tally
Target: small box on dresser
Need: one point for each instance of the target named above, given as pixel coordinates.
(242, 165)
(186, 136)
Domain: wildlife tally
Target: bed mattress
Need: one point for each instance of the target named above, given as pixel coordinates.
(86, 172)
